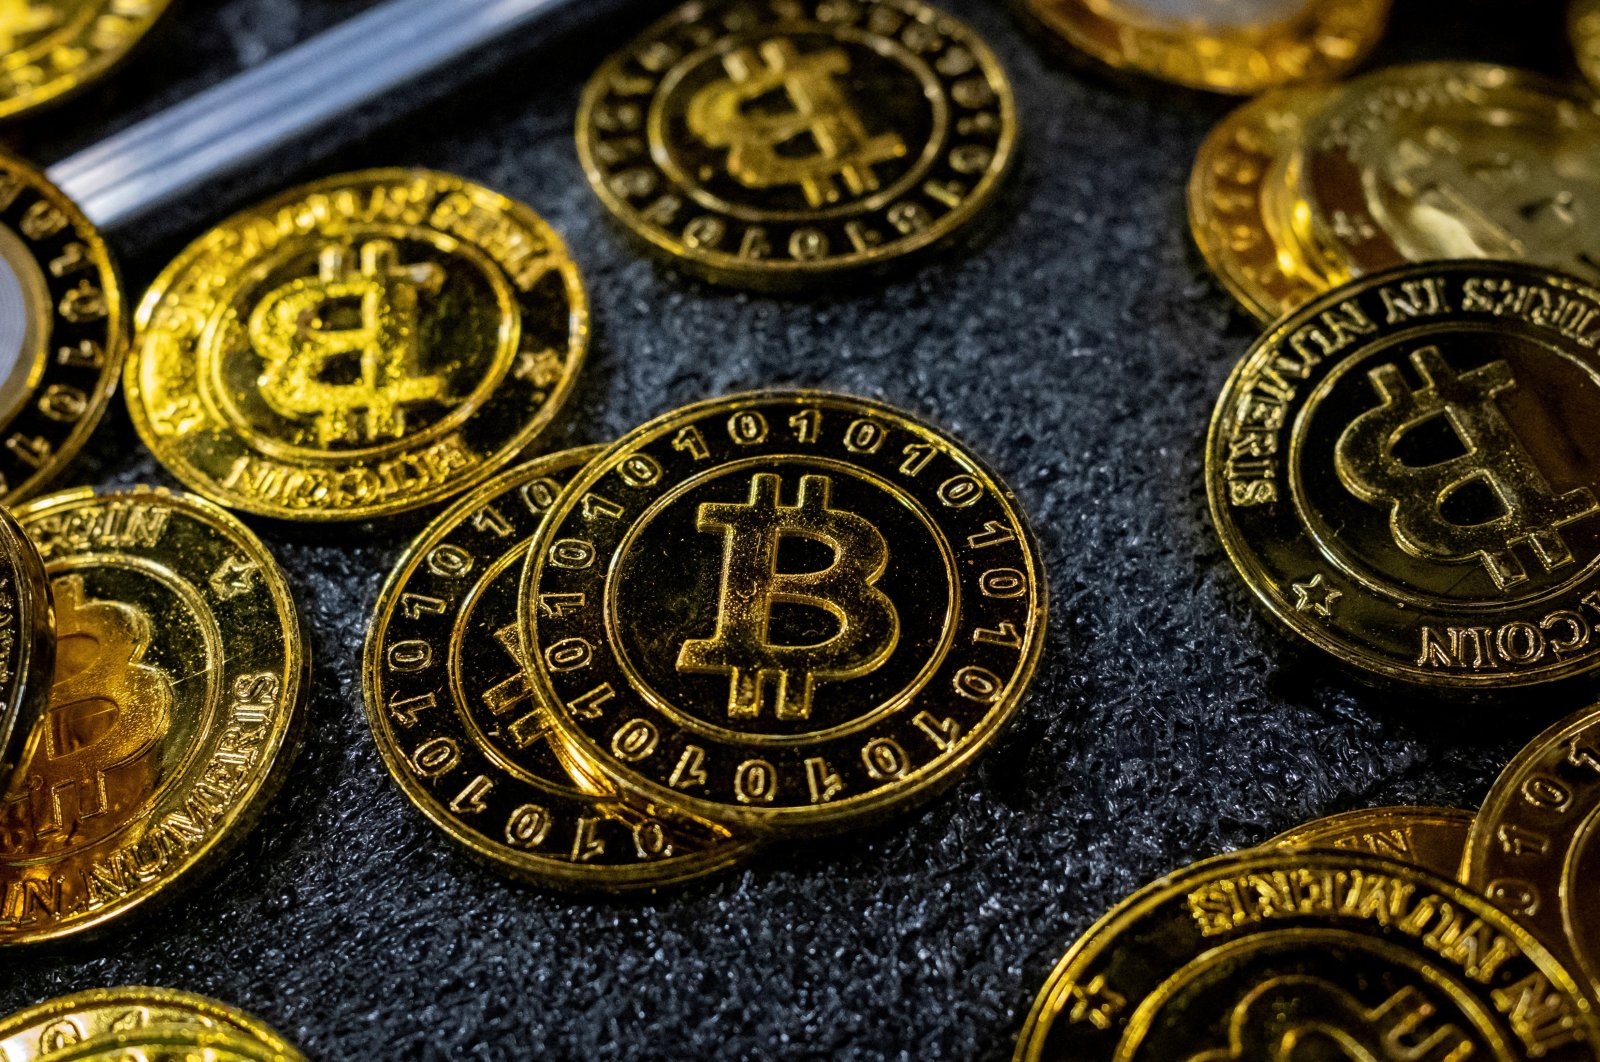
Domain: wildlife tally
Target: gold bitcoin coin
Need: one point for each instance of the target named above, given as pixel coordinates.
(782, 610)
(62, 332)
(1279, 954)
(180, 674)
(361, 346)
(172, 1043)
(1535, 845)
(461, 728)
(70, 1021)
(1239, 46)
(52, 48)
(27, 643)
(1585, 23)
(1453, 160)
(1241, 220)
(777, 143)
(1407, 475)
(1430, 838)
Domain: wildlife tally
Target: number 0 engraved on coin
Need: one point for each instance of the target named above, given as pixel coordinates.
(855, 606)
(776, 143)
(361, 346)
(1406, 473)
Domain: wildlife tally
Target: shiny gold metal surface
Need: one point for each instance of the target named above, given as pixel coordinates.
(1237, 46)
(357, 347)
(62, 330)
(27, 644)
(171, 1043)
(1535, 846)
(463, 732)
(52, 48)
(180, 674)
(1584, 20)
(1407, 475)
(1453, 160)
(786, 610)
(782, 143)
(1239, 212)
(1430, 838)
(68, 1022)
(1277, 954)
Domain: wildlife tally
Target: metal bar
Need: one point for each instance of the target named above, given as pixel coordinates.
(294, 93)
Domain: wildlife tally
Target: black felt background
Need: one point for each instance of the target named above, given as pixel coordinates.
(1081, 348)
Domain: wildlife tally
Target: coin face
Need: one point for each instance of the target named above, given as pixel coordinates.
(783, 610)
(775, 144)
(1454, 160)
(1240, 220)
(27, 643)
(62, 330)
(1406, 473)
(171, 1043)
(1430, 838)
(179, 679)
(459, 724)
(69, 1022)
(1585, 22)
(361, 346)
(1278, 954)
(1535, 846)
(54, 47)
(1240, 46)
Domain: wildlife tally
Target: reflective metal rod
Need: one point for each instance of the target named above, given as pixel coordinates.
(242, 119)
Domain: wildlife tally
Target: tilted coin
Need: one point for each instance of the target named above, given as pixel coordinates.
(1407, 475)
(1279, 954)
(1584, 19)
(1241, 220)
(774, 144)
(179, 685)
(357, 347)
(1430, 838)
(782, 610)
(67, 1022)
(62, 330)
(1242, 46)
(27, 643)
(461, 728)
(172, 1043)
(54, 47)
(1453, 160)
(1535, 846)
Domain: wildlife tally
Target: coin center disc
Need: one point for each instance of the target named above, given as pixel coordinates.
(796, 125)
(1453, 468)
(358, 343)
(777, 611)
(1203, 16)
(24, 307)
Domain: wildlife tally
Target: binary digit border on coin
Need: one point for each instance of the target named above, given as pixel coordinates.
(458, 734)
(150, 588)
(927, 148)
(66, 1021)
(926, 564)
(53, 48)
(361, 346)
(1341, 522)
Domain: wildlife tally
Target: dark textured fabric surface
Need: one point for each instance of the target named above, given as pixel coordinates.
(1080, 348)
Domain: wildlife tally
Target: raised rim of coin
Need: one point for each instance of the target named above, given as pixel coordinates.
(911, 222)
(43, 1019)
(172, 1043)
(450, 812)
(1385, 832)
(966, 690)
(1324, 39)
(27, 643)
(1282, 889)
(1232, 209)
(101, 35)
(179, 415)
(185, 858)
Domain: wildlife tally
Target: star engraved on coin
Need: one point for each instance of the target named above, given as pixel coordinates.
(1316, 596)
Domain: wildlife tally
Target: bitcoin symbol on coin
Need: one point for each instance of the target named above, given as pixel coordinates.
(108, 710)
(1531, 511)
(868, 625)
(345, 343)
(1290, 1018)
(814, 141)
